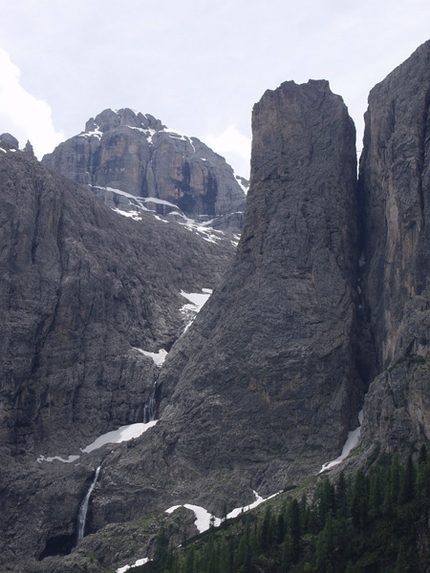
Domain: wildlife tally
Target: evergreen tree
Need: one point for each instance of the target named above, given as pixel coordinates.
(395, 478)
(407, 483)
(293, 526)
(266, 535)
(376, 494)
(188, 564)
(324, 547)
(359, 501)
(340, 493)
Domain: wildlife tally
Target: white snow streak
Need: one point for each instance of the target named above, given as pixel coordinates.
(132, 214)
(96, 133)
(69, 460)
(204, 519)
(123, 434)
(158, 357)
(197, 299)
(135, 564)
(350, 444)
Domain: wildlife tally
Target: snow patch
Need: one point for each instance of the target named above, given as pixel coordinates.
(239, 179)
(349, 445)
(197, 299)
(123, 434)
(160, 219)
(131, 214)
(137, 563)
(158, 357)
(69, 460)
(258, 500)
(204, 520)
(157, 201)
(96, 133)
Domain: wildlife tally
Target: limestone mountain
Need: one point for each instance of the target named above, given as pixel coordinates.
(395, 200)
(324, 311)
(131, 158)
(87, 299)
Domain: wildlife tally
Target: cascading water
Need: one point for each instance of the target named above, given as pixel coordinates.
(82, 516)
(150, 408)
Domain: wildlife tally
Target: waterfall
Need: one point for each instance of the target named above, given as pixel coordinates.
(150, 408)
(82, 516)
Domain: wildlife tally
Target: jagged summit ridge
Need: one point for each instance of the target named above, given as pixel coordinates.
(110, 119)
(135, 153)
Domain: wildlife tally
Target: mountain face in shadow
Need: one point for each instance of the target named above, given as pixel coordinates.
(323, 312)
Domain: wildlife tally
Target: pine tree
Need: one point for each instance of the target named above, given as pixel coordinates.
(359, 501)
(395, 478)
(376, 495)
(407, 482)
(266, 535)
(188, 564)
(293, 526)
(324, 547)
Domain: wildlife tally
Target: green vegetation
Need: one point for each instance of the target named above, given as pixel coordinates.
(373, 522)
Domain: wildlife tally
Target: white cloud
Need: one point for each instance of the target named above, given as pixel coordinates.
(22, 114)
(234, 146)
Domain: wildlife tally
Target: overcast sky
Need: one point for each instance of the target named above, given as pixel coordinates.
(198, 65)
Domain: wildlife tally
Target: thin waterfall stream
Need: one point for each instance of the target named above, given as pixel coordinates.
(149, 412)
(150, 407)
(82, 516)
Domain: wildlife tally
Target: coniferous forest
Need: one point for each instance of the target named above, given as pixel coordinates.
(373, 522)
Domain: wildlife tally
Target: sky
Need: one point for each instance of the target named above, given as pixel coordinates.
(198, 65)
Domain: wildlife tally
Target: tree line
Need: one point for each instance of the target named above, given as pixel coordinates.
(376, 521)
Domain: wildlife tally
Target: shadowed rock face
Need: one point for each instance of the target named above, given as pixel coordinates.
(262, 389)
(81, 288)
(395, 197)
(137, 154)
(277, 374)
(264, 386)
(394, 184)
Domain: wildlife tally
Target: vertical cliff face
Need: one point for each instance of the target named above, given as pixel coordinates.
(262, 389)
(394, 187)
(136, 154)
(86, 299)
(395, 196)
(81, 289)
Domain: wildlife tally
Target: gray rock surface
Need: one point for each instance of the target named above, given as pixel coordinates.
(262, 389)
(82, 289)
(395, 192)
(137, 154)
(327, 291)
(8, 141)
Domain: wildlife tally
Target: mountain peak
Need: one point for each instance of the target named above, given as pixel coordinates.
(110, 119)
(124, 151)
(8, 141)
